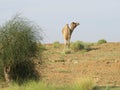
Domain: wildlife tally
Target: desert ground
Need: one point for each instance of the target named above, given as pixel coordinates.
(101, 63)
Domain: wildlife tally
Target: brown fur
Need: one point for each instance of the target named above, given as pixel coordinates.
(67, 32)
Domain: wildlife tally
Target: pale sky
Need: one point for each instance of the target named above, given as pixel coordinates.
(99, 19)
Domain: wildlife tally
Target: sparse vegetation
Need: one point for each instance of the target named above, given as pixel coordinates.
(79, 45)
(56, 44)
(76, 46)
(32, 85)
(84, 84)
(81, 85)
(78, 64)
(107, 88)
(101, 41)
(63, 72)
(66, 51)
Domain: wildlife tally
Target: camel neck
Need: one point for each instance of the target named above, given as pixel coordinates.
(72, 28)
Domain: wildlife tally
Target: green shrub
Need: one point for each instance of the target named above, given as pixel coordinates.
(30, 73)
(18, 41)
(41, 47)
(56, 44)
(101, 41)
(87, 46)
(76, 46)
(79, 45)
(1, 70)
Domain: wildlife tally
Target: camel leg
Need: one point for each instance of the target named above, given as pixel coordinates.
(68, 43)
(65, 44)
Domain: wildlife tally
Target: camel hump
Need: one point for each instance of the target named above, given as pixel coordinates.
(66, 27)
(66, 32)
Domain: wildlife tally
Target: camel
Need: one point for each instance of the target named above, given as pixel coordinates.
(67, 32)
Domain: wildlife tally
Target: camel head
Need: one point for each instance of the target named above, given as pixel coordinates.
(73, 25)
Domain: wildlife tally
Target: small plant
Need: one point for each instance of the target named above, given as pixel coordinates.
(67, 51)
(62, 58)
(102, 41)
(64, 71)
(84, 84)
(107, 88)
(87, 46)
(41, 47)
(78, 45)
(56, 44)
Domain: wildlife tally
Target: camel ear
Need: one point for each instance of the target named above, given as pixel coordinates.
(78, 23)
(72, 22)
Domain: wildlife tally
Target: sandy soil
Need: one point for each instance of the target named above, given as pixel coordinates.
(101, 63)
